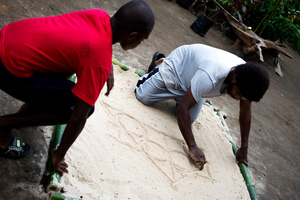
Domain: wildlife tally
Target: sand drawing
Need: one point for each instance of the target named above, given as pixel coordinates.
(132, 151)
(165, 150)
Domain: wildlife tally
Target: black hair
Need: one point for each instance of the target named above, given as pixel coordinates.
(252, 81)
(135, 16)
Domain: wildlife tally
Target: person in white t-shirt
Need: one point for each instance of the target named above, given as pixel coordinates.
(193, 72)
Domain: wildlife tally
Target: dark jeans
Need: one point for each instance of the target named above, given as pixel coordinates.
(49, 92)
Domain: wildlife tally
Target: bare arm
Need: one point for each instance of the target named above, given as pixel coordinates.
(245, 124)
(184, 122)
(110, 81)
(73, 129)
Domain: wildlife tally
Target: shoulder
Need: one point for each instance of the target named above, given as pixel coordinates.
(89, 14)
(97, 12)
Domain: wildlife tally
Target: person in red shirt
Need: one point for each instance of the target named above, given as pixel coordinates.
(39, 55)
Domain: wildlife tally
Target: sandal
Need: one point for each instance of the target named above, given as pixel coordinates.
(156, 56)
(15, 149)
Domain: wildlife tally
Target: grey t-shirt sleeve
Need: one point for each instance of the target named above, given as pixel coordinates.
(201, 84)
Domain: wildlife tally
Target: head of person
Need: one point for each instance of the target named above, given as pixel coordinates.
(249, 81)
(132, 24)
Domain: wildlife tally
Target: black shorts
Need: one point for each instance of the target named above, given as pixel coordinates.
(48, 92)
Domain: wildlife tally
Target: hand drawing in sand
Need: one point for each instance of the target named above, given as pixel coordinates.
(164, 150)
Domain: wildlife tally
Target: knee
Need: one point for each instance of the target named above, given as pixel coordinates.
(193, 118)
(195, 111)
(142, 98)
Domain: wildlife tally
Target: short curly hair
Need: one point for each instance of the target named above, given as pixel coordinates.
(252, 81)
(135, 16)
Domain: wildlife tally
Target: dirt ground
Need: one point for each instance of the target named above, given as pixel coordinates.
(274, 139)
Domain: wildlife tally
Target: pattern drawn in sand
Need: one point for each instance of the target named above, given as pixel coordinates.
(154, 144)
(131, 151)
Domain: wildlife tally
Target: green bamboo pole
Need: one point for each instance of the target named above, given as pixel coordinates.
(59, 196)
(138, 73)
(124, 67)
(244, 170)
(54, 177)
(121, 65)
(248, 180)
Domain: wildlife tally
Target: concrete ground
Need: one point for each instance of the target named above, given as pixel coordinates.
(274, 139)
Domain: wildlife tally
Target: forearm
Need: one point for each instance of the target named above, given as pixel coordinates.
(184, 123)
(110, 81)
(245, 124)
(73, 129)
(111, 74)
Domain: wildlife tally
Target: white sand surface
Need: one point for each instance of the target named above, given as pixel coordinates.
(131, 151)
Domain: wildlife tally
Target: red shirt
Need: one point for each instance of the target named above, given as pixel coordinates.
(79, 42)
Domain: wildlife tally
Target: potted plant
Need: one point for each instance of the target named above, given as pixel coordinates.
(205, 10)
(185, 3)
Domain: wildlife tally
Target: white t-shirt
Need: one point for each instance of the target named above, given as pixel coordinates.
(201, 67)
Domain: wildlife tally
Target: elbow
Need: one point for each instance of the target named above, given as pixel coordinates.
(182, 112)
(78, 122)
(178, 110)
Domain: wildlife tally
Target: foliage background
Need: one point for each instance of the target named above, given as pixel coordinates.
(276, 20)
